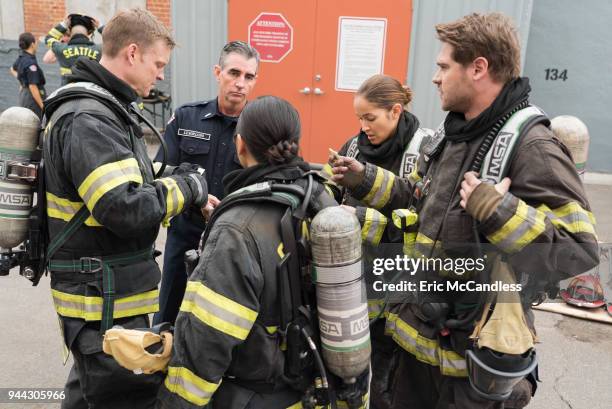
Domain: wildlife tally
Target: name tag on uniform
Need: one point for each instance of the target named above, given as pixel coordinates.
(194, 134)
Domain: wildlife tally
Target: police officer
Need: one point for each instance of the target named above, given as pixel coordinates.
(202, 133)
(30, 76)
(80, 44)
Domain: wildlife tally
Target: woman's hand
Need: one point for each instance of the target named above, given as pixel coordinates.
(210, 207)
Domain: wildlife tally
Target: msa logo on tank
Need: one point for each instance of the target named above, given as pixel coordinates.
(499, 152)
(190, 133)
(356, 326)
(359, 325)
(15, 199)
(330, 328)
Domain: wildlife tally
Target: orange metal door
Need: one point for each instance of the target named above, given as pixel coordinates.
(333, 116)
(292, 74)
(307, 75)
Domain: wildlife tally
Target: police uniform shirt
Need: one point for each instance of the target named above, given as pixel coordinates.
(199, 133)
(28, 70)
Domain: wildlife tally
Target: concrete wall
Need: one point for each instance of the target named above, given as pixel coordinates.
(574, 37)
(11, 19)
(201, 32)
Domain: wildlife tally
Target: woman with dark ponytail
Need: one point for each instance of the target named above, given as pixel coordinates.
(387, 130)
(227, 349)
(30, 76)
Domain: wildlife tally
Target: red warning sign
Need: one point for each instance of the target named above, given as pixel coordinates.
(271, 35)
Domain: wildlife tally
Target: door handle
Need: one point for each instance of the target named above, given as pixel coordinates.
(305, 91)
(318, 91)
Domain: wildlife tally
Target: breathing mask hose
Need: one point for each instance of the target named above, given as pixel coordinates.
(320, 366)
(136, 111)
(476, 165)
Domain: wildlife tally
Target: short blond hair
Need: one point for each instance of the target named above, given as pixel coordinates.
(492, 36)
(133, 26)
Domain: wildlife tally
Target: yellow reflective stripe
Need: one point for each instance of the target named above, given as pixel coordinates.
(329, 190)
(378, 180)
(404, 218)
(386, 195)
(189, 386)
(279, 250)
(375, 307)
(218, 311)
(65, 71)
(409, 241)
(64, 209)
(414, 176)
(107, 177)
(380, 193)
(50, 41)
(525, 225)
(424, 349)
(571, 217)
(272, 329)
(423, 239)
(373, 226)
(175, 201)
(55, 33)
(327, 170)
(89, 308)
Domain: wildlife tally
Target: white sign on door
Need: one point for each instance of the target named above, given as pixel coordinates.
(361, 50)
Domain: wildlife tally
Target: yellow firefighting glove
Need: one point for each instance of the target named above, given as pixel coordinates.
(128, 347)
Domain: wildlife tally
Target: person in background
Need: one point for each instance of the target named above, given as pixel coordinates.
(29, 74)
(202, 133)
(80, 44)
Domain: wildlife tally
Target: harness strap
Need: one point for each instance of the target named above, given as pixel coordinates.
(95, 268)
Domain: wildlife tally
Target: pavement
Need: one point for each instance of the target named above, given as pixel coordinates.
(575, 355)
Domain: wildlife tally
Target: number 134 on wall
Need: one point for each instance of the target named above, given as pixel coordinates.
(554, 74)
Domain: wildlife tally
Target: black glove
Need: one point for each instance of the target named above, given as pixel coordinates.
(199, 188)
(185, 168)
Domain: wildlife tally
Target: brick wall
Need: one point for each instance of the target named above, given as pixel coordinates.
(40, 15)
(161, 9)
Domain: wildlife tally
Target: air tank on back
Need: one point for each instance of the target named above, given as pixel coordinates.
(342, 307)
(18, 139)
(575, 135)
